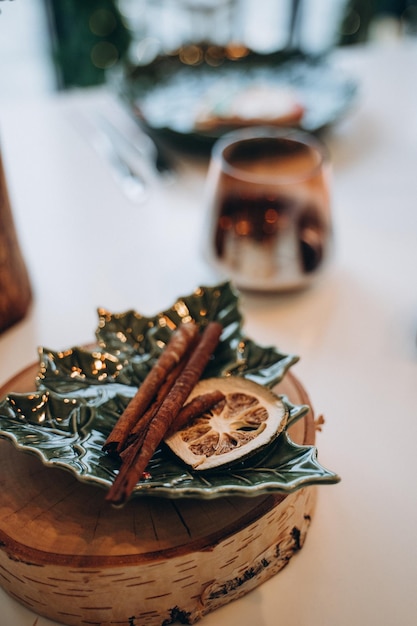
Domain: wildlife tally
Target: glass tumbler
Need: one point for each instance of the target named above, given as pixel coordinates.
(269, 218)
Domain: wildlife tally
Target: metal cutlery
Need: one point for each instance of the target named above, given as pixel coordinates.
(130, 153)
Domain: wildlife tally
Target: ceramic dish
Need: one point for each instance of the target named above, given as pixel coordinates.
(81, 392)
(167, 95)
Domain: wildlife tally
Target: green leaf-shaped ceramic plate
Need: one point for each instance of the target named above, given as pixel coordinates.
(81, 392)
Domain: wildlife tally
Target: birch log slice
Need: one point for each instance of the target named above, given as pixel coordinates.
(69, 556)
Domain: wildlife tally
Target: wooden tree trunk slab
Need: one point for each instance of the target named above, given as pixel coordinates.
(67, 555)
(15, 288)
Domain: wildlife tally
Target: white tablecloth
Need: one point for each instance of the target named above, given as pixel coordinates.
(87, 246)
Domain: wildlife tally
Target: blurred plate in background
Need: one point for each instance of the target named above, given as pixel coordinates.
(168, 96)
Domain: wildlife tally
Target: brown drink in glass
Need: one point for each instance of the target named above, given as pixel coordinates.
(269, 208)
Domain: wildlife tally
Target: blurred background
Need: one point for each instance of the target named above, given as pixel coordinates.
(49, 45)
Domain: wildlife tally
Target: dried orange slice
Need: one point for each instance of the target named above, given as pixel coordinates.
(248, 418)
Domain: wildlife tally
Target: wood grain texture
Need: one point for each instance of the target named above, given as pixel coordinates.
(68, 555)
(15, 288)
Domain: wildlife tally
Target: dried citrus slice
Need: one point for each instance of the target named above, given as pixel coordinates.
(248, 418)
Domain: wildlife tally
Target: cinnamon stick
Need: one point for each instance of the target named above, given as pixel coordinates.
(196, 407)
(139, 454)
(143, 422)
(177, 346)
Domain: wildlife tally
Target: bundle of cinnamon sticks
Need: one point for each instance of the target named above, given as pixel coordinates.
(158, 407)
